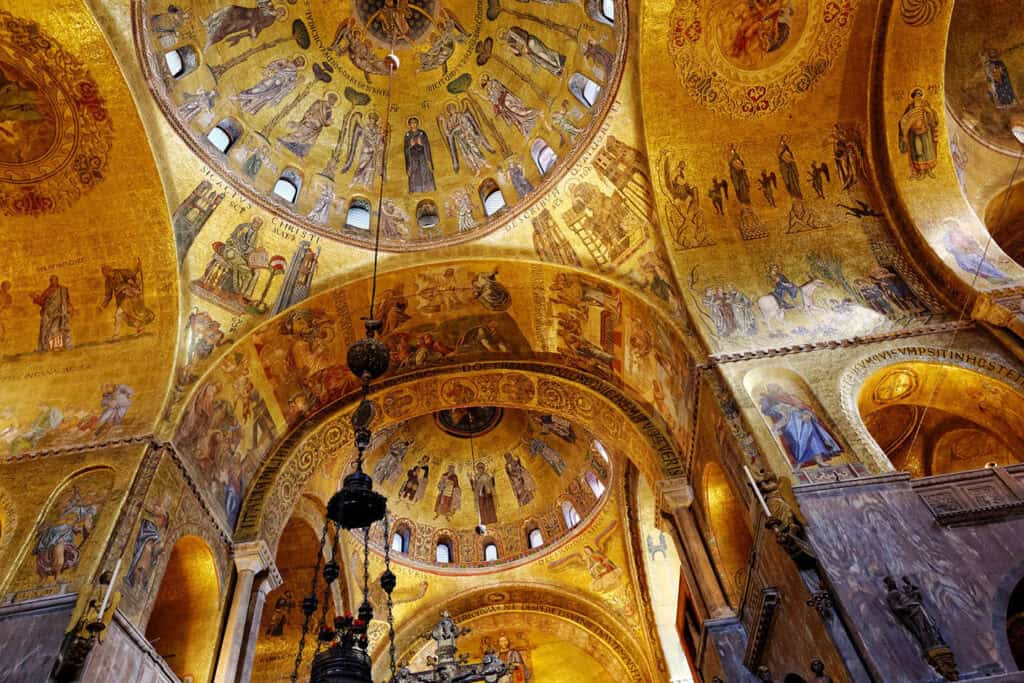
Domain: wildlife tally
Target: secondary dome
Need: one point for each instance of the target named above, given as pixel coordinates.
(493, 101)
(478, 487)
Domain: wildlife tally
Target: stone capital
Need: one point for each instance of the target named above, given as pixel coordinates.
(674, 494)
(253, 556)
(273, 579)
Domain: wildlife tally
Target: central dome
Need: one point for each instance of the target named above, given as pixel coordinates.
(461, 480)
(493, 100)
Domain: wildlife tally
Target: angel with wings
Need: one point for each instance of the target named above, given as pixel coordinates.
(351, 41)
(463, 134)
(447, 31)
(604, 574)
(371, 156)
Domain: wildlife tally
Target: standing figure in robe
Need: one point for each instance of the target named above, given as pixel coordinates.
(508, 107)
(465, 137)
(788, 169)
(483, 489)
(740, 178)
(517, 671)
(1000, 86)
(919, 136)
(522, 481)
(802, 433)
(124, 287)
(55, 311)
(525, 44)
(371, 155)
(306, 130)
(419, 165)
(279, 79)
(449, 494)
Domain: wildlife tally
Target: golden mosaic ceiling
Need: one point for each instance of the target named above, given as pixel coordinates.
(470, 477)
(491, 104)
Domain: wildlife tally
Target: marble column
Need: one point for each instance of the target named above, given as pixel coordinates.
(250, 559)
(265, 583)
(675, 496)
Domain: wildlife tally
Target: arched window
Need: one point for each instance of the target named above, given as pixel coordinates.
(599, 447)
(181, 62)
(287, 186)
(608, 10)
(443, 552)
(585, 90)
(491, 197)
(543, 155)
(224, 135)
(602, 11)
(596, 485)
(569, 514)
(490, 552)
(426, 214)
(358, 215)
(400, 540)
(535, 538)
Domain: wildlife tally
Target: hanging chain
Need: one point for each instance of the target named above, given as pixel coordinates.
(311, 598)
(327, 595)
(386, 134)
(366, 567)
(391, 602)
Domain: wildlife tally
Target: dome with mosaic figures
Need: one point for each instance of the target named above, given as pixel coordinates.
(491, 103)
(473, 488)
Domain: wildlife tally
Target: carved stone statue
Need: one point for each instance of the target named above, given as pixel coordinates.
(818, 669)
(907, 604)
(447, 665)
(786, 520)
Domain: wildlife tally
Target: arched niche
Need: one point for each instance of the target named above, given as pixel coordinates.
(798, 424)
(70, 533)
(281, 624)
(1015, 624)
(731, 540)
(1004, 218)
(185, 620)
(571, 620)
(934, 418)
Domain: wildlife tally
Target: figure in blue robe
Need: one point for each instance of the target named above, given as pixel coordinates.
(999, 85)
(802, 433)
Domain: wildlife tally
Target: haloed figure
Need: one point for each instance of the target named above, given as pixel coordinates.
(419, 165)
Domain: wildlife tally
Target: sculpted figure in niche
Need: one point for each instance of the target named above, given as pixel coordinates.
(919, 136)
(235, 22)
(507, 107)
(306, 130)
(279, 79)
(419, 165)
(483, 488)
(55, 311)
(906, 602)
(449, 494)
(522, 481)
(524, 44)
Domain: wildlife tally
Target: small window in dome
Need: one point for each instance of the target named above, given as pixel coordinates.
(358, 215)
(287, 189)
(491, 196)
(490, 553)
(596, 485)
(427, 216)
(602, 11)
(181, 62)
(572, 518)
(599, 447)
(535, 539)
(224, 135)
(400, 541)
(543, 156)
(585, 90)
(444, 552)
(608, 10)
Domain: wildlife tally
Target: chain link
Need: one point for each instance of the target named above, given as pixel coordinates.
(327, 595)
(391, 604)
(312, 593)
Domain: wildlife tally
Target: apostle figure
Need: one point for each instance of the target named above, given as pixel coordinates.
(788, 169)
(550, 455)
(508, 107)
(483, 489)
(919, 135)
(279, 78)
(57, 549)
(519, 180)
(416, 480)
(419, 165)
(999, 85)
(522, 481)
(798, 427)
(55, 311)
(148, 547)
(306, 130)
(279, 618)
(124, 287)
(738, 173)
(525, 44)
(449, 494)
(387, 467)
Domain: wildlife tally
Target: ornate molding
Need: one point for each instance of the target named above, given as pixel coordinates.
(768, 604)
(254, 556)
(976, 497)
(674, 494)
